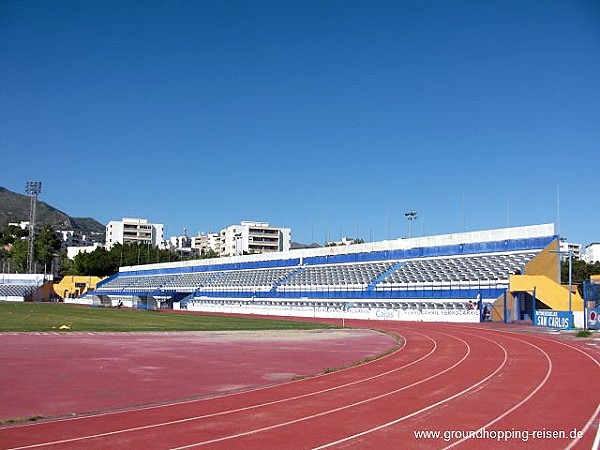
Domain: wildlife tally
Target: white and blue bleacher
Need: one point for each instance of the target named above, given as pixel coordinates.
(437, 272)
(21, 287)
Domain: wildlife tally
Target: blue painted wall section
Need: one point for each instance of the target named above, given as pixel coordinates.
(560, 320)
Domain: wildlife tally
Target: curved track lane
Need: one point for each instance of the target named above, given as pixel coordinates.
(449, 379)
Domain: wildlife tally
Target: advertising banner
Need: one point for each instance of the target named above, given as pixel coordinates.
(593, 318)
(561, 320)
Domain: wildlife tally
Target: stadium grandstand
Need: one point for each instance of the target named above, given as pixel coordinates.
(24, 287)
(453, 277)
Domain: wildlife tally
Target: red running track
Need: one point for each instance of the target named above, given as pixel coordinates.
(520, 390)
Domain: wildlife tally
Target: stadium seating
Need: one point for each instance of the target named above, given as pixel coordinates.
(22, 287)
(137, 283)
(355, 276)
(254, 280)
(189, 282)
(16, 290)
(484, 269)
(491, 270)
(437, 277)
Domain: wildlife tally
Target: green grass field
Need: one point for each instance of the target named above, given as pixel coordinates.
(51, 316)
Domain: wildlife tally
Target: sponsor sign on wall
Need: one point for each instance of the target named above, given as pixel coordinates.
(593, 318)
(562, 320)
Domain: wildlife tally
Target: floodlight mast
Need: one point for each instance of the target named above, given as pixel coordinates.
(33, 188)
(410, 215)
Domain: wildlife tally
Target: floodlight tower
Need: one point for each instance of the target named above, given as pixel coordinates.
(410, 215)
(33, 188)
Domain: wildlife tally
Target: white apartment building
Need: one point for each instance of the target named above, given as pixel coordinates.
(133, 231)
(569, 247)
(73, 251)
(179, 242)
(21, 225)
(72, 238)
(254, 237)
(181, 245)
(205, 243)
(592, 253)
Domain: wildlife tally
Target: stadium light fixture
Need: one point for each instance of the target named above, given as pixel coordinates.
(410, 215)
(33, 187)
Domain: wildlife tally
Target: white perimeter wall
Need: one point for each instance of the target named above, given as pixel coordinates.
(438, 315)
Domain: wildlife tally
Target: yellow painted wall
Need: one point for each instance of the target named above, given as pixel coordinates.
(44, 293)
(498, 307)
(546, 263)
(75, 285)
(547, 291)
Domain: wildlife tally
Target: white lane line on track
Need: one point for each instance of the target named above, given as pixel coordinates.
(584, 430)
(522, 402)
(596, 412)
(586, 354)
(221, 413)
(596, 443)
(414, 413)
(331, 411)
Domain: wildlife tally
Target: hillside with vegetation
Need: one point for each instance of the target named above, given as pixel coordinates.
(14, 208)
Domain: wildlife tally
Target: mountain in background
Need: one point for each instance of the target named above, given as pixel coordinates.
(14, 207)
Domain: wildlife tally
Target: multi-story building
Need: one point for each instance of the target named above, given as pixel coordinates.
(73, 238)
(73, 251)
(182, 245)
(569, 247)
(254, 237)
(592, 253)
(22, 225)
(133, 231)
(205, 243)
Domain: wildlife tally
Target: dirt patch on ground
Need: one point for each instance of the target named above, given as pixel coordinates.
(51, 374)
(283, 335)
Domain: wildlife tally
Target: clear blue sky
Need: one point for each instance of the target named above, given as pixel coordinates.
(330, 117)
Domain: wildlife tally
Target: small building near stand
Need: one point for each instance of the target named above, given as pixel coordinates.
(73, 286)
